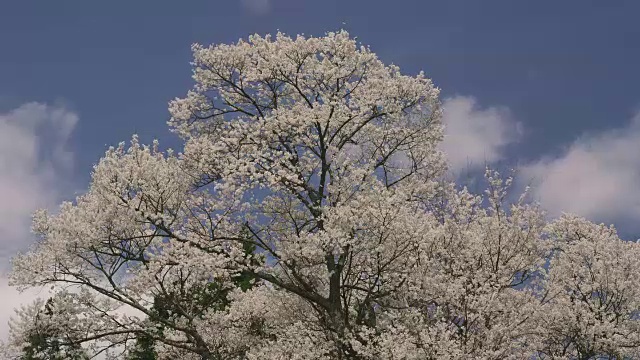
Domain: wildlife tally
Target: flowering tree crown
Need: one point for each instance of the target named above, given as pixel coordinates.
(308, 218)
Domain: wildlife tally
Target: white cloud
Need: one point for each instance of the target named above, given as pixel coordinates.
(33, 161)
(598, 176)
(257, 7)
(475, 136)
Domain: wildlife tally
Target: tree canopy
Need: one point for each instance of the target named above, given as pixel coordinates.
(308, 216)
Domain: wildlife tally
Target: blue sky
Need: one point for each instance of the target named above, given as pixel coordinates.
(562, 67)
(551, 87)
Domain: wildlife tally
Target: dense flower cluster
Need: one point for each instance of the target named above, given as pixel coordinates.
(307, 218)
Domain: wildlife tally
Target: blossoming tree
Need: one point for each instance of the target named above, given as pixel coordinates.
(309, 203)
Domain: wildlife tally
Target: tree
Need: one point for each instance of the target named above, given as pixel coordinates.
(212, 296)
(311, 172)
(40, 337)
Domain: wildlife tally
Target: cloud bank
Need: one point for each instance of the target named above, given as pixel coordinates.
(33, 162)
(476, 136)
(597, 176)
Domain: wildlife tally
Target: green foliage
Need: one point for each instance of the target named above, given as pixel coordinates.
(46, 344)
(47, 347)
(212, 296)
(143, 349)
